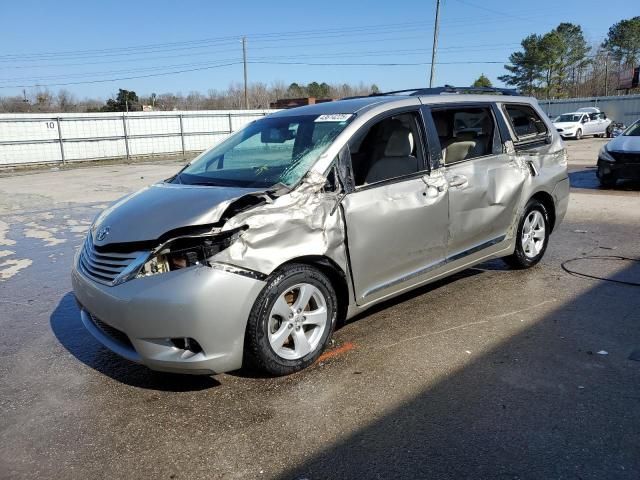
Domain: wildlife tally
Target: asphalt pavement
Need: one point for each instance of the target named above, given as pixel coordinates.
(490, 374)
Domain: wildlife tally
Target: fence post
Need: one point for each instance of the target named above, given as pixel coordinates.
(126, 136)
(230, 123)
(60, 140)
(182, 136)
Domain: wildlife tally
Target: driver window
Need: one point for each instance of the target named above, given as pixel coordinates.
(390, 148)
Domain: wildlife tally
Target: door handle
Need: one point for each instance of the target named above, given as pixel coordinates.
(458, 181)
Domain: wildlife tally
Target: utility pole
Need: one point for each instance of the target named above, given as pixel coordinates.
(606, 75)
(435, 43)
(244, 62)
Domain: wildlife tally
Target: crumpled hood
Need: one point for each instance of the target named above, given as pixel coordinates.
(162, 207)
(624, 144)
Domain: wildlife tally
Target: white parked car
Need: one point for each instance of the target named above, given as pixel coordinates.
(584, 121)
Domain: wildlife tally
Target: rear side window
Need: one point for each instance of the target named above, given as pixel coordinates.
(465, 133)
(526, 123)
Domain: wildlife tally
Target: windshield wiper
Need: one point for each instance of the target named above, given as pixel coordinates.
(177, 175)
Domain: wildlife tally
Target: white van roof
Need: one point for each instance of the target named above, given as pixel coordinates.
(589, 110)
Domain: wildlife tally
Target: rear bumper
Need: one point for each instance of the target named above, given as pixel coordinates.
(138, 318)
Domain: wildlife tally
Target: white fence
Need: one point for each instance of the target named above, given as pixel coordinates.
(60, 138)
(624, 109)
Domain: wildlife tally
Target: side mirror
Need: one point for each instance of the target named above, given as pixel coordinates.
(585, 120)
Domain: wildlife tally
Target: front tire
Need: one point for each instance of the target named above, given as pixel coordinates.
(579, 134)
(532, 236)
(291, 321)
(607, 181)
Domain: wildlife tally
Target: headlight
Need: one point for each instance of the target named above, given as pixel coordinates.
(186, 252)
(605, 155)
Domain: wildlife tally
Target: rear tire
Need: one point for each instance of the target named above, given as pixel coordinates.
(291, 321)
(532, 236)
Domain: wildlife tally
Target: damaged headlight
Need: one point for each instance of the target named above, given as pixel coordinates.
(605, 155)
(186, 252)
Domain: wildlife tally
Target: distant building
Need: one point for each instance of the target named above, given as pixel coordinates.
(298, 102)
(147, 108)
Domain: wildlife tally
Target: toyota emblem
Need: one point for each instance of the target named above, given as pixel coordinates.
(102, 233)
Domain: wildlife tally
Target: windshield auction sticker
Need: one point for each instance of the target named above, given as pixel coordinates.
(334, 117)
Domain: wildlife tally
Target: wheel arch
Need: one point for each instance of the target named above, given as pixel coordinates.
(547, 200)
(336, 275)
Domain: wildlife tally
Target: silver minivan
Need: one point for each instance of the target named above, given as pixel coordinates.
(253, 252)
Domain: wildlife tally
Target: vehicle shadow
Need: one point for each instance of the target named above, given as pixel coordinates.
(587, 179)
(67, 327)
(490, 265)
(556, 399)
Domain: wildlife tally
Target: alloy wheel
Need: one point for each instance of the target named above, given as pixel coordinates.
(297, 321)
(533, 234)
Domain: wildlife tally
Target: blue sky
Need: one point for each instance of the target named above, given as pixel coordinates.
(48, 43)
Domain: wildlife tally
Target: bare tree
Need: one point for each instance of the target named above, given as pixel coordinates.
(42, 100)
(65, 101)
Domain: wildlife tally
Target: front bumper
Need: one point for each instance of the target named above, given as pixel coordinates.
(138, 318)
(567, 134)
(623, 171)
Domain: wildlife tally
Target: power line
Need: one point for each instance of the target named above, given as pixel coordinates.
(244, 64)
(341, 54)
(325, 64)
(129, 59)
(374, 30)
(121, 71)
(390, 64)
(216, 40)
(122, 78)
(495, 12)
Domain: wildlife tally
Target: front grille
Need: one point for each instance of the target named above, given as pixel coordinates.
(111, 332)
(104, 267)
(626, 157)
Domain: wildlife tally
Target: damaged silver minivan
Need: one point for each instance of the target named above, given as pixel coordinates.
(254, 250)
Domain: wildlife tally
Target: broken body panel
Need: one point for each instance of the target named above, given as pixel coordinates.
(380, 239)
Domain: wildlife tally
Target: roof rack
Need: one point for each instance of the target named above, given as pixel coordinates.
(465, 90)
(447, 89)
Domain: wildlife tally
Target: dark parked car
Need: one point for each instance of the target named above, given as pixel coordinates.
(620, 158)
